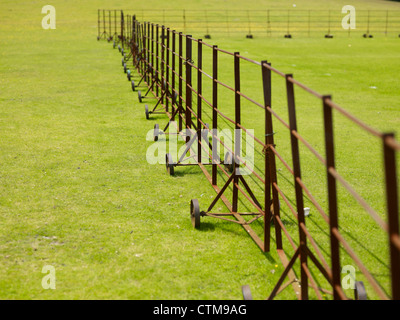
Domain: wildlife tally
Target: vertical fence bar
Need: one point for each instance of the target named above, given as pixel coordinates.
(152, 52)
(199, 93)
(214, 115)
(188, 79)
(122, 29)
(115, 34)
(144, 47)
(109, 25)
(266, 78)
(140, 65)
(392, 203)
(127, 28)
(173, 73)
(157, 65)
(270, 165)
(133, 41)
(98, 24)
(237, 135)
(135, 36)
(167, 71)
(148, 56)
(180, 79)
(104, 22)
(144, 56)
(332, 198)
(162, 63)
(298, 188)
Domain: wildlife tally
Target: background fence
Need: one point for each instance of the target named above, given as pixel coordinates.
(272, 23)
(199, 86)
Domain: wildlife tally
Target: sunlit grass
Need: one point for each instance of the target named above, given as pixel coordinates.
(77, 192)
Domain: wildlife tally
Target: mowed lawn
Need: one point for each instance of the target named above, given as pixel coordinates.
(77, 193)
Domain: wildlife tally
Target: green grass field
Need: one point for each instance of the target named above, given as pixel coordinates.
(77, 193)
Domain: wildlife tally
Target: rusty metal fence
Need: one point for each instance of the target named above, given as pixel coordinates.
(183, 76)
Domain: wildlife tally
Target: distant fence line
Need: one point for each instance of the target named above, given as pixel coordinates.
(273, 23)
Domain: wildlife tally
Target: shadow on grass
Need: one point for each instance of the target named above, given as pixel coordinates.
(210, 226)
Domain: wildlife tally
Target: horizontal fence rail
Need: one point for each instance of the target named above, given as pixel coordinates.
(182, 76)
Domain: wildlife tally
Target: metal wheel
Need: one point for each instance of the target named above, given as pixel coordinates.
(146, 110)
(246, 293)
(133, 85)
(156, 132)
(228, 162)
(139, 95)
(359, 291)
(195, 213)
(169, 164)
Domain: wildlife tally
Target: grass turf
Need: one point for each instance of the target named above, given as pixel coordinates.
(78, 194)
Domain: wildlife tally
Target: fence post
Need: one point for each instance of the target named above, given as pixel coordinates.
(214, 116)
(392, 203)
(144, 42)
(157, 65)
(173, 73)
(148, 53)
(237, 135)
(152, 52)
(188, 95)
(109, 25)
(162, 63)
(167, 72)
(180, 80)
(115, 34)
(98, 24)
(332, 198)
(104, 22)
(199, 93)
(270, 165)
(140, 65)
(298, 188)
(122, 28)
